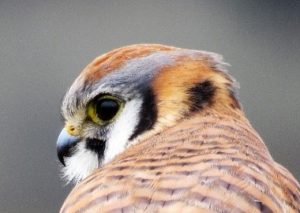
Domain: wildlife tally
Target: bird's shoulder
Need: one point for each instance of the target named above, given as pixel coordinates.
(209, 163)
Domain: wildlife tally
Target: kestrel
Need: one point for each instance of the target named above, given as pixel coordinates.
(155, 128)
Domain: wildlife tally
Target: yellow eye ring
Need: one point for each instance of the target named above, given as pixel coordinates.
(105, 109)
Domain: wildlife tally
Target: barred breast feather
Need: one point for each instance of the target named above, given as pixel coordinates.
(208, 163)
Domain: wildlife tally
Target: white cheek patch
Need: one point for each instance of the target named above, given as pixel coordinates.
(123, 128)
(82, 163)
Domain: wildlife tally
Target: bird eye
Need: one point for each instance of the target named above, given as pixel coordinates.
(104, 109)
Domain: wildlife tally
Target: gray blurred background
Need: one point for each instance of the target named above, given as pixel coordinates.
(45, 44)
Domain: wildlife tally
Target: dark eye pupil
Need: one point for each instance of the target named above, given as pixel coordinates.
(106, 109)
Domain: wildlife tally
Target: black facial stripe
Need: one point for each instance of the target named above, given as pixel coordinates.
(148, 113)
(96, 145)
(201, 94)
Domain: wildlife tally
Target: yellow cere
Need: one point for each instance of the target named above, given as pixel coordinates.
(72, 130)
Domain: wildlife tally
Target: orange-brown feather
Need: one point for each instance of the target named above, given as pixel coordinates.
(212, 162)
(114, 59)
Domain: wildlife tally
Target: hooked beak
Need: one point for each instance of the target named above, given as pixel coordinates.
(65, 143)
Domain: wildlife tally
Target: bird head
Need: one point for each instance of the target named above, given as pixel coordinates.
(133, 93)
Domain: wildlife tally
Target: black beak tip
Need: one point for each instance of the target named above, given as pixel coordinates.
(65, 151)
(61, 158)
(65, 145)
(61, 153)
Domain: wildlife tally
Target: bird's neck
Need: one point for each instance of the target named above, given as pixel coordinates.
(209, 132)
(228, 126)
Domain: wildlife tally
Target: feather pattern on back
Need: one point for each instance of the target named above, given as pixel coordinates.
(211, 162)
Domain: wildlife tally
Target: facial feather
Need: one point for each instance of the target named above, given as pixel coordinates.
(159, 86)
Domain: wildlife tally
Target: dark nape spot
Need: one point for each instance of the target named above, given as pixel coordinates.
(96, 145)
(147, 114)
(200, 95)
